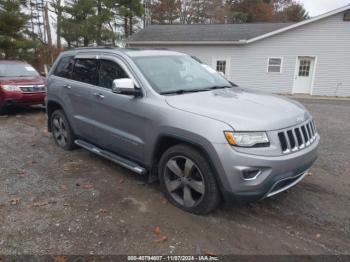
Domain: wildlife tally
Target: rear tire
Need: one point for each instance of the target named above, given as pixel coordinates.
(61, 130)
(188, 181)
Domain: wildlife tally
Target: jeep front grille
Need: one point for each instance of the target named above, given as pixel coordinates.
(297, 138)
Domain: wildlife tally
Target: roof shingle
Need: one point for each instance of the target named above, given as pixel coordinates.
(204, 32)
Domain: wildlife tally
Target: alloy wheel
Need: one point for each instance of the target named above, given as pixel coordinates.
(184, 181)
(59, 130)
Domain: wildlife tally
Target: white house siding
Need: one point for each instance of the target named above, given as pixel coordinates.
(328, 40)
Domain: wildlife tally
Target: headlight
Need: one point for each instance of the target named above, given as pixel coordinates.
(10, 88)
(246, 139)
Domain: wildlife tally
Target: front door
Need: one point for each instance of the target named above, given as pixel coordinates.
(304, 75)
(121, 119)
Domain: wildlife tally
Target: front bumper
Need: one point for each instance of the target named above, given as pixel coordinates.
(19, 98)
(276, 173)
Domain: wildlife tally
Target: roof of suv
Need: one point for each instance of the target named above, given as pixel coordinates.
(131, 52)
(12, 62)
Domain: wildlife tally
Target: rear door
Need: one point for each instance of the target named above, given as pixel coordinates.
(80, 92)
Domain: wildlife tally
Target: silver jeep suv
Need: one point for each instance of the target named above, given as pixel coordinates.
(167, 116)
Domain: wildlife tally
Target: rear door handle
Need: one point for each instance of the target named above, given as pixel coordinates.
(98, 95)
(67, 86)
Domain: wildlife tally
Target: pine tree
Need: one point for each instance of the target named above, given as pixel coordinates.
(93, 22)
(14, 36)
(78, 25)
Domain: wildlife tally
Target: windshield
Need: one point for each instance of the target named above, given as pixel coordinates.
(17, 70)
(174, 73)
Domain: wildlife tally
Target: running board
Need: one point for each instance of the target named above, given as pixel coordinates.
(113, 157)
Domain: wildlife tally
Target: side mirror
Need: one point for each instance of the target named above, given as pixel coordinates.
(125, 86)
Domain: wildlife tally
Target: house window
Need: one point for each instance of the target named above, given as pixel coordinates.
(304, 68)
(221, 66)
(275, 65)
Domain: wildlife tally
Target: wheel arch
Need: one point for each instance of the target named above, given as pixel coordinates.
(165, 141)
(51, 107)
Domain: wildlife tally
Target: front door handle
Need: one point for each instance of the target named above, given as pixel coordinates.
(98, 95)
(67, 86)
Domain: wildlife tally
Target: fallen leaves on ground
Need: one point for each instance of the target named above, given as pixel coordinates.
(39, 204)
(15, 201)
(209, 253)
(121, 181)
(22, 174)
(103, 211)
(63, 188)
(157, 231)
(88, 186)
(59, 259)
(161, 239)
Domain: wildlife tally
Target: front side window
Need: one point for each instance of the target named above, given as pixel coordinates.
(275, 65)
(17, 70)
(65, 67)
(108, 72)
(170, 73)
(85, 70)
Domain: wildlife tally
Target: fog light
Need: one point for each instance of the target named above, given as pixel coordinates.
(251, 174)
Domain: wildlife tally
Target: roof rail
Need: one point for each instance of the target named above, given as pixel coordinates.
(95, 47)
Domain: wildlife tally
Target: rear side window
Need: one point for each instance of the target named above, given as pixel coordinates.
(65, 67)
(85, 70)
(108, 72)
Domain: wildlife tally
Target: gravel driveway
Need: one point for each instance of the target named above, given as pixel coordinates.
(57, 202)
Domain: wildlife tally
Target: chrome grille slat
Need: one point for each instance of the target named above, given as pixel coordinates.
(297, 138)
(296, 141)
(288, 142)
(309, 130)
(302, 138)
(313, 127)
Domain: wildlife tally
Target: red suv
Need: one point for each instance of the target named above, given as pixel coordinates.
(20, 84)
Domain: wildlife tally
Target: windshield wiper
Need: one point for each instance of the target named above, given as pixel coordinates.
(218, 87)
(184, 91)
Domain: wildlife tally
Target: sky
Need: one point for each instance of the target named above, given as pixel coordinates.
(317, 7)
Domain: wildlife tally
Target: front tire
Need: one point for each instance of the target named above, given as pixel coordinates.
(61, 130)
(188, 181)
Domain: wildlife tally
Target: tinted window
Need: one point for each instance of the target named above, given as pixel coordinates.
(108, 72)
(17, 69)
(65, 67)
(85, 70)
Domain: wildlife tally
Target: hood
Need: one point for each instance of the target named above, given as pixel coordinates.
(242, 110)
(30, 80)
